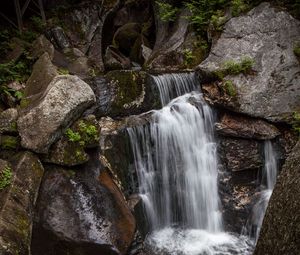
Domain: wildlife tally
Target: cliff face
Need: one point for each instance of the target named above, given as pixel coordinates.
(281, 226)
(92, 79)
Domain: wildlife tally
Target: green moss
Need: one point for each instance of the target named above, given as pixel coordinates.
(297, 50)
(5, 177)
(188, 57)
(25, 102)
(63, 71)
(129, 85)
(9, 142)
(238, 7)
(229, 88)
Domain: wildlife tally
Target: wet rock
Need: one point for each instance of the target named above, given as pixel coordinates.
(244, 127)
(66, 98)
(240, 154)
(8, 121)
(40, 46)
(82, 213)
(42, 74)
(17, 201)
(275, 79)
(284, 202)
(123, 93)
(59, 38)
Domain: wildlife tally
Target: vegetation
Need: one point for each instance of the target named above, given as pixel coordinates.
(231, 67)
(5, 177)
(238, 7)
(296, 122)
(63, 71)
(297, 50)
(229, 88)
(167, 12)
(188, 57)
(86, 134)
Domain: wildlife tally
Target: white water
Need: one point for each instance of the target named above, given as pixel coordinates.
(176, 161)
(270, 172)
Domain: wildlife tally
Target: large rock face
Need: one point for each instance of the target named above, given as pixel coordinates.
(281, 226)
(17, 201)
(269, 37)
(65, 99)
(82, 213)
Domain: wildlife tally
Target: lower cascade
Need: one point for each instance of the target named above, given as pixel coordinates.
(176, 162)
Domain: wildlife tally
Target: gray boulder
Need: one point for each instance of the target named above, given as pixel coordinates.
(65, 99)
(268, 36)
(282, 212)
(17, 201)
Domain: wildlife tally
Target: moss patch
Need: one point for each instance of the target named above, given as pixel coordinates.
(9, 142)
(5, 177)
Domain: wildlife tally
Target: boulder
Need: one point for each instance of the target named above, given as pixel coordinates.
(40, 46)
(66, 153)
(42, 74)
(65, 99)
(82, 213)
(245, 127)
(240, 154)
(268, 36)
(17, 202)
(123, 93)
(59, 38)
(115, 60)
(8, 121)
(282, 211)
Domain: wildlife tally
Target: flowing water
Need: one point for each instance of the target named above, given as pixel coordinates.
(176, 161)
(270, 172)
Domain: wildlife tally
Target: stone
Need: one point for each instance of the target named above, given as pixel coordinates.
(17, 202)
(268, 36)
(66, 98)
(17, 46)
(8, 121)
(82, 213)
(59, 38)
(245, 127)
(240, 154)
(40, 46)
(79, 66)
(282, 211)
(115, 60)
(42, 74)
(66, 153)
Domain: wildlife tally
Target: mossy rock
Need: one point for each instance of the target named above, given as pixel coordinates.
(66, 153)
(130, 91)
(8, 142)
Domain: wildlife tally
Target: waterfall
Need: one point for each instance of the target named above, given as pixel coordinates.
(270, 172)
(176, 162)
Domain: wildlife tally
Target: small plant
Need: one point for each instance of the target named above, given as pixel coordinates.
(238, 7)
(63, 71)
(229, 88)
(218, 20)
(297, 50)
(72, 136)
(38, 23)
(5, 177)
(296, 122)
(188, 57)
(167, 12)
(233, 67)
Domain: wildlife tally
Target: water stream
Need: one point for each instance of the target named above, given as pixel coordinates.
(176, 161)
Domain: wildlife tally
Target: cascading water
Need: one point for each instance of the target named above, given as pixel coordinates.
(176, 161)
(268, 182)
